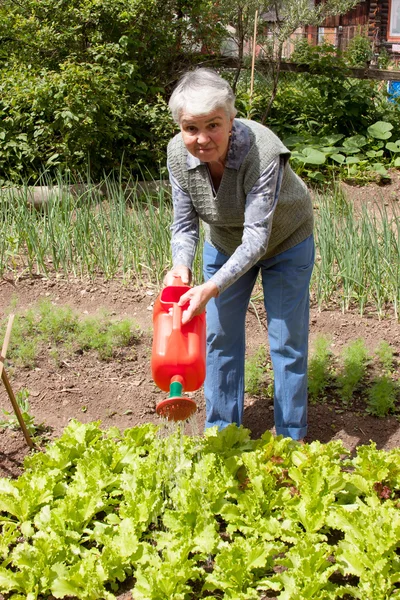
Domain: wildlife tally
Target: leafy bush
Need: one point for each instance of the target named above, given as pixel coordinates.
(359, 51)
(80, 82)
(327, 100)
(82, 116)
(357, 158)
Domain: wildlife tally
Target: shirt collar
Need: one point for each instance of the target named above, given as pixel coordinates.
(239, 147)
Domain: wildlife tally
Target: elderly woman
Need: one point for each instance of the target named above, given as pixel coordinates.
(234, 175)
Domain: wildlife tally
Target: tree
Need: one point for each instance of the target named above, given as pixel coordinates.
(238, 19)
(285, 16)
(80, 80)
(290, 15)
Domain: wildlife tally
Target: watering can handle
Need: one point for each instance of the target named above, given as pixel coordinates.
(177, 280)
(176, 317)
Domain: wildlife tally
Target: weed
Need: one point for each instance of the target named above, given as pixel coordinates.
(385, 355)
(26, 353)
(55, 323)
(61, 328)
(382, 396)
(104, 335)
(11, 420)
(55, 356)
(319, 368)
(355, 359)
(258, 371)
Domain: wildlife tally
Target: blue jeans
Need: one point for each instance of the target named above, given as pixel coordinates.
(285, 281)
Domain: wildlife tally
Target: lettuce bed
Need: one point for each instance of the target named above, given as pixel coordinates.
(219, 516)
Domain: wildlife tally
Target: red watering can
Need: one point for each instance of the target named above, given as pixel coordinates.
(178, 359)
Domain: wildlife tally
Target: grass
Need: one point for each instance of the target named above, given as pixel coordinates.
(61, 330)
(126, 234)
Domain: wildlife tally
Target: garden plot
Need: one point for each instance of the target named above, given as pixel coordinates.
(120, 391)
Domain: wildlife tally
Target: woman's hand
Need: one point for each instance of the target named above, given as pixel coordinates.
(179, 271)
(197, 297)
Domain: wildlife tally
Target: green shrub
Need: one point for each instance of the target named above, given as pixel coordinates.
(319, 368)
(81, 82)
(326, 100)
(354, 367)
(385, 355)
(382, 396)
(82, 116)
(359, 51)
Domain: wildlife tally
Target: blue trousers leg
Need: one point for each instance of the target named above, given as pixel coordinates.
(285, 280)
(224, 383)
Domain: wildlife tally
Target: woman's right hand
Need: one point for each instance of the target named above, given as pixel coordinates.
(179, 271)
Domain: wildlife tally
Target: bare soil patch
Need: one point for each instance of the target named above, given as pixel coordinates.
(377, 196)
(121, 392)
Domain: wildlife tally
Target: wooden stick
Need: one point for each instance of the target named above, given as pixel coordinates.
(8, 386)
(6, 342)
(253, 60)
(16, 409)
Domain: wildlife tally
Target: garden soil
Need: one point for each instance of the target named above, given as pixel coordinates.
(120, 392)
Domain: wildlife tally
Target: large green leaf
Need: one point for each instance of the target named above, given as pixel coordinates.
(329, 149)
(380, 169)
(350, 148)
(352, 160)
(293, 140)
(355, 140)
(374, 153)
(310, 156)
(393, 146)
(331, 140)
(380, 130)
(338, 158)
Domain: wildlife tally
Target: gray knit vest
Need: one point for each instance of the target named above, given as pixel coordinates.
(223, 214)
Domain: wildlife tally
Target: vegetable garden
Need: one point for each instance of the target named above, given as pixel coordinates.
(218, 516)
(137, 508)
(114, 502)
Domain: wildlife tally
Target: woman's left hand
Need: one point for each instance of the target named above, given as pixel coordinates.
(197, 297)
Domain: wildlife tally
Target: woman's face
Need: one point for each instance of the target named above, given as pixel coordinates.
(207, 137)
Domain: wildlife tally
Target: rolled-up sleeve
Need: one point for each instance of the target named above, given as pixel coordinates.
(185, 226)
(259, 211)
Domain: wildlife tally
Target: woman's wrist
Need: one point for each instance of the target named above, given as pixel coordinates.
(212, 289)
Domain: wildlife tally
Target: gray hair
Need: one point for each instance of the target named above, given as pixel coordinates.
(200, 92)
